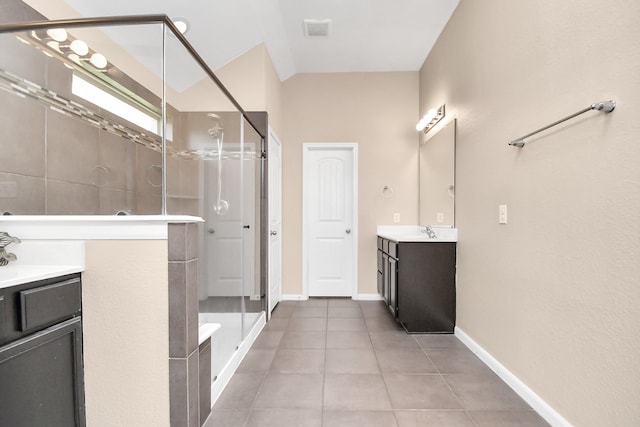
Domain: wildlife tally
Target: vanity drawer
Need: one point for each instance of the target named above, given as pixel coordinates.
(45, 305)
(393, 249)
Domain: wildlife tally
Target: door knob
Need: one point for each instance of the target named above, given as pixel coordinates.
(273, 232)
(211, 231)
(348, 230)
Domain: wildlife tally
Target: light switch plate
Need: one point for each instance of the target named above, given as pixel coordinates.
(440, 217)
(396, 217)
(502, 214)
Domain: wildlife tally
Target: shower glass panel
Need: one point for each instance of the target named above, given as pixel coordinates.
(81, 134)
(253, 166)
(121, 116)
(205, 178)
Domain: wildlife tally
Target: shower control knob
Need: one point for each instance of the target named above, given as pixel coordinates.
(273, 232)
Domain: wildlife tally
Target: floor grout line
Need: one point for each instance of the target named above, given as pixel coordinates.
(423, 345)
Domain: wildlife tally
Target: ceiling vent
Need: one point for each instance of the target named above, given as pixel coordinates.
(317, 27)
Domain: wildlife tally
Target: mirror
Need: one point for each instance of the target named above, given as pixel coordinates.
(437, 177)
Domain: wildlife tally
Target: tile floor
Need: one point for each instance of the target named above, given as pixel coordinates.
(342, 363)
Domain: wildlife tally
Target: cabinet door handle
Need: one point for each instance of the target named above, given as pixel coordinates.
(348, 230)
(273, 232)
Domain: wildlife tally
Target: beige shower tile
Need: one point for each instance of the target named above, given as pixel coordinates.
(148, 204)
(190, 178)
(22, 195)
(64, 198)
(118, 157)
(112, 201)
(149, 171)
(72, 150)
(23, 147)
(22, 60)
(59, 78)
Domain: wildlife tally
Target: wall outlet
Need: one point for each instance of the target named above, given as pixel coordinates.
(440, 217)
(396, 218)
(502, 214)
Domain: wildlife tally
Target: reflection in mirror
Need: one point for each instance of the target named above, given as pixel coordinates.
(437, 177)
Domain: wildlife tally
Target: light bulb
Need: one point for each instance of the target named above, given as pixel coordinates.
(75, 58)
(430, 115)
(58, 34)
(54, 45)
(98, 60)
(181, 24)
(79, 47)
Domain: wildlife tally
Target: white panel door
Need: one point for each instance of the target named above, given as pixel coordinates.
(329, 219)
(230, 245)
(275, 220)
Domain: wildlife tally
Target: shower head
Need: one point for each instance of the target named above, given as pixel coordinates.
(216, 130)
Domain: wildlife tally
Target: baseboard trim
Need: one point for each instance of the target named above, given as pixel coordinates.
(368, 297)
(359, 297)
(536, 402)
(294, 297)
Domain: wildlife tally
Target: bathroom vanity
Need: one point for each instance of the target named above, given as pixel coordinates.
(137, 333)
(416, 278)
(41, 350)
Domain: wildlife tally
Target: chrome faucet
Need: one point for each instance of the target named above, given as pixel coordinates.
(429, 231)
(5, 240)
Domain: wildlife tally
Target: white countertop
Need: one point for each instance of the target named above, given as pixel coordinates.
(54, 245)
(11, 275)
(413, 233)
(91, 227)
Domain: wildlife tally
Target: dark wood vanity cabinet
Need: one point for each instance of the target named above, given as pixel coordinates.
(41, 373)
(418, 283)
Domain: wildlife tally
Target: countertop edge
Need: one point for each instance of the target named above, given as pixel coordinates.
(92, 227)
(13, 275)
(399, 238)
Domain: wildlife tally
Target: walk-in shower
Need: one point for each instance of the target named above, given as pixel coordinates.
(120, 116)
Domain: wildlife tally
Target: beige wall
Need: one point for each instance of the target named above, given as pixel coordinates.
(379, 112)
(273, 94)
(126, 333)
(252, 80)
(554, 294)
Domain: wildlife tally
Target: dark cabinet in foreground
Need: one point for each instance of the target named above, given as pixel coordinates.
(41, 374)
(417, 281)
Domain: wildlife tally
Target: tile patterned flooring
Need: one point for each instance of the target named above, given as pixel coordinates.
(342, 363)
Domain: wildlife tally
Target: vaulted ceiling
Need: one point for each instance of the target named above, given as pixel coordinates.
(365, 35)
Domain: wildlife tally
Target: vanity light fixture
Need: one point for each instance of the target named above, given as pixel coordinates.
(430, 119)
(57, 41)
(98, 60)
(79, 47)
(57, 34)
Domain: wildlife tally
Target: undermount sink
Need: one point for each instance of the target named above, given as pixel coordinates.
(412, 234)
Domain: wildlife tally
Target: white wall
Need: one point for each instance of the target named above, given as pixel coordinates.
(554, 294)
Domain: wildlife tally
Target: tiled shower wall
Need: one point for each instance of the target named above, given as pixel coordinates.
(53, 164)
